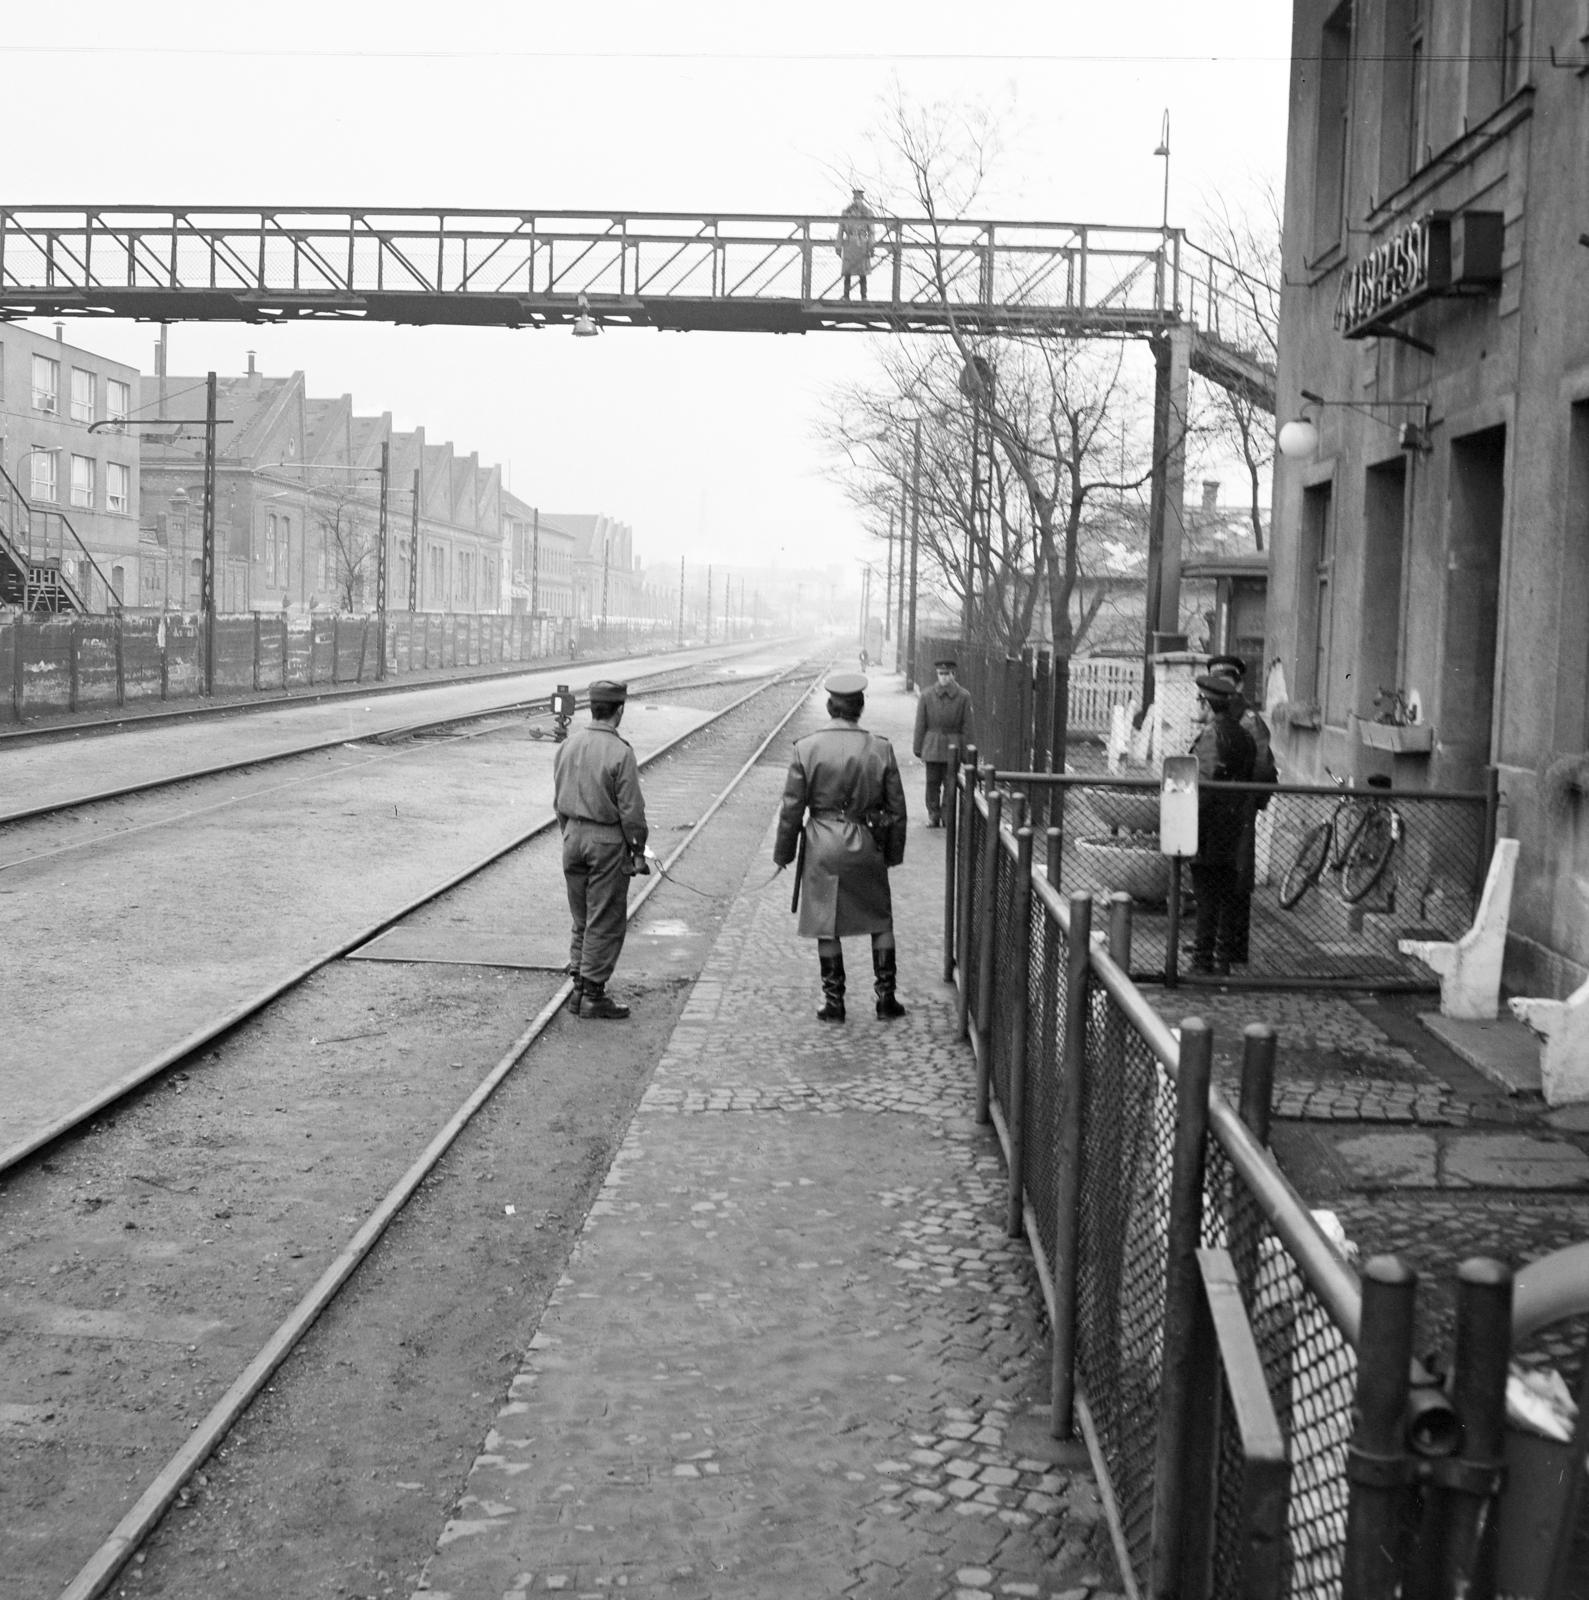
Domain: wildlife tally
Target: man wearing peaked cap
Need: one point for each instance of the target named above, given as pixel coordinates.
(596, 792)
(843, 811)
(1264, 770)
(943, 720)
(1224, 751)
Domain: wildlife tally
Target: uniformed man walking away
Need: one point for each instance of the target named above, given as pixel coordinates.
(844, 786)
(596, 789)
(943, 720)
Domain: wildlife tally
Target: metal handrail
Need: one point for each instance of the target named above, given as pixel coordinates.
(114, 600)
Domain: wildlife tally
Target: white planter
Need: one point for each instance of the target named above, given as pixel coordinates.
(1137, 870)
(1410, 739)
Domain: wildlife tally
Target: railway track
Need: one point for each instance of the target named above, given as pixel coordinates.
(488, 699)
(168, 1255)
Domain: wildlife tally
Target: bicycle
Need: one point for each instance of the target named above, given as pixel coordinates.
(1357, 843)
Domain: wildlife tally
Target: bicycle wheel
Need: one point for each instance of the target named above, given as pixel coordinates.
(1306, 865)
(1368, 857)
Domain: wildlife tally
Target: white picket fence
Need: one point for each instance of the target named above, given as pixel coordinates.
(1097, 685)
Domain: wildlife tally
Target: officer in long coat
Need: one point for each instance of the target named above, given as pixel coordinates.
(1264, 770)
(844, 810)
(854, 243)
(596, 792)
(943, 720)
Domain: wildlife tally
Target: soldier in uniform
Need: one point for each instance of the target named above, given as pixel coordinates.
(1224, 751)
(596, 789)
(1264, 770)
(854, 243)
(844, 787)
(943, 720)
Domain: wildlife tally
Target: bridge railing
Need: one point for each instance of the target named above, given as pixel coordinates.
(1062, 266)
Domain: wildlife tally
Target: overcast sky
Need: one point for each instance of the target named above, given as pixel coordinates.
(702, 442)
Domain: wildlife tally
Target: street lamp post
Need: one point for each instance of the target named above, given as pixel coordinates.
(915, 547)
(380, 572)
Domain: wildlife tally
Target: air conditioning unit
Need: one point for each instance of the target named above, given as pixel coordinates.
(46, 402)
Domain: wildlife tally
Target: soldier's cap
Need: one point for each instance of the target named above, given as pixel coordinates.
(949, 662)
(1234, 665)
(604, 692)
(846, 684)
(1220, 685)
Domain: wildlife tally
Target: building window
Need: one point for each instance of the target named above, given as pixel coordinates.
(1314, 617)
(82, 395)
(1331, 129)
(46, 385)
(118, 399)
(118, 581)
(284, 554)
(1403, 134)
(83, 481)
(46, 475)
(1495, 55)
(118, 487)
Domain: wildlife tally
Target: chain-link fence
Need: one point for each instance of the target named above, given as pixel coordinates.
(1081, 1080)
(1337, 877)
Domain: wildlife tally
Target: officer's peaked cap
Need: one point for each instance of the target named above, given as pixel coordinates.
(949, 662)
(1220, 685)
(604, 692)
(1234, 665)
(847, 683)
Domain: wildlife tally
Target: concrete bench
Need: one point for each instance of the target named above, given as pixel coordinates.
(1563, 1027)
(1470, 967)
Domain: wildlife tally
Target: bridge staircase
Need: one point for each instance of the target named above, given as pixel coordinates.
(33, 546)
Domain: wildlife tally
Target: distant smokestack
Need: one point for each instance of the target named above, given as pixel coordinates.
(251, 363)
(1210, 494)
(60, 333)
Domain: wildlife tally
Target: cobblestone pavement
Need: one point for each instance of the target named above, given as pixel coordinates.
(794, 1353)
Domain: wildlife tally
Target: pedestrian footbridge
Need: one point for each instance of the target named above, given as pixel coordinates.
(770, 273)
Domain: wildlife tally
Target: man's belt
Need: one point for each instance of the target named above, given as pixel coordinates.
(597, 822)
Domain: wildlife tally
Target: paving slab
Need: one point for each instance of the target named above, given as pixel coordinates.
(1504, 1050)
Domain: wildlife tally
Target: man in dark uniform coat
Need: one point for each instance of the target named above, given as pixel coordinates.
(596, 791)
(1224, 751)
(1264, 770)
(844, 786)
(943, 720)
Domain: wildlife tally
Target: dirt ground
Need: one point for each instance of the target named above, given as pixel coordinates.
(147, 1262)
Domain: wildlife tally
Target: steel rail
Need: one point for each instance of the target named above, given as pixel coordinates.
(536, 703)
(99, 1572)
(209, 1031)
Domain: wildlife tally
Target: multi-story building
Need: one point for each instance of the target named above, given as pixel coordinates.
(607, 578)
(71, 493)
(1432, 501)
(541, 561)
(298, 505)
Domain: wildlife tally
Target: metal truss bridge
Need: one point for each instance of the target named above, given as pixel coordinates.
(524, 269)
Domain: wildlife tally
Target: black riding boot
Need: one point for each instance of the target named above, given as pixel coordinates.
(576, 999)
(599, 1004)
(832, 988)
(884, 967)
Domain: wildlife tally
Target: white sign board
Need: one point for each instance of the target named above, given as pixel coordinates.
(1178, 807)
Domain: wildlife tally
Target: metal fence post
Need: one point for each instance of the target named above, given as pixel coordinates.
(1054, 846)
(1257, 1078)
(1021, 999)
(1182, 1286)
(1378, 1468)
(1469, 1483)
(1120, 904)
(951, 840)
(1067, 1164)
(964, 899)
(987, 936)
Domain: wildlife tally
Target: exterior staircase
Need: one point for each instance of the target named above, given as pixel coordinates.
(31, 576)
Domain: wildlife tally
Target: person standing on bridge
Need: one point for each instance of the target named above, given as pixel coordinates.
(596, 793)
(854, 244)
(943, 720)
(843, 812)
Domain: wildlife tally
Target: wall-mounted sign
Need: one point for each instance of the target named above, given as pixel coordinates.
(1440, 255)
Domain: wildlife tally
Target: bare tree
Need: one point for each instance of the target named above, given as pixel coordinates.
(348, 538)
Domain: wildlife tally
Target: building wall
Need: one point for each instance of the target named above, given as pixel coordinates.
(1459, 573)
(27, 424)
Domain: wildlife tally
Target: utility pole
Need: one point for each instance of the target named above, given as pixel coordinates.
(888, 583)
(535, 565)
(681, 602)
(708, 604)
(380, 571)
(207, 566)
(413, 549)
(915, 545)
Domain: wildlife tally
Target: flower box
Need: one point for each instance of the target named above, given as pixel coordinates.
(1115, 863)
(1402, 739)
